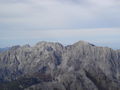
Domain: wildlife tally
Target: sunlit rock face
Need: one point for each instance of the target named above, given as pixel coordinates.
(48, 65)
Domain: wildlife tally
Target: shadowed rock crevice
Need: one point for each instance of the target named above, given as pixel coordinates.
(95, 81)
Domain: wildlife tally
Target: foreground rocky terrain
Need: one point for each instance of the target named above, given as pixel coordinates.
(52, 66)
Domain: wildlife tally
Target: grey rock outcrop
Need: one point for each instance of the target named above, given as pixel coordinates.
(81, 66)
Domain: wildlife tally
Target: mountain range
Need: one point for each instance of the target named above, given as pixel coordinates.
(4, 49)
(53, 66)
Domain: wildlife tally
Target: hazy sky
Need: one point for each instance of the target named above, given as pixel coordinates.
(65, 21)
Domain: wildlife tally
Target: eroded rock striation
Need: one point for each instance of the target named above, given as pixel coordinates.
(52, 66)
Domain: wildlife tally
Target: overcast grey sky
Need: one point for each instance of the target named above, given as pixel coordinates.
(65, 21)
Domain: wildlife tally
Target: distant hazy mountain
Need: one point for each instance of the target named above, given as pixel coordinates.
(52, 66)
(4, 49)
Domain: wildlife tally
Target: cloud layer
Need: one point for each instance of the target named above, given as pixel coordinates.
(49, 14)
(59, 20)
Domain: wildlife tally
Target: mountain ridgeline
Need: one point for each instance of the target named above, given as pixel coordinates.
(52, 66)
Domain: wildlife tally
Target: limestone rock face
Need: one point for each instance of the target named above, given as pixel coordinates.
(52, 66)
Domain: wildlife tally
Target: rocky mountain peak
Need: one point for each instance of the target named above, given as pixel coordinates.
(44, 43)
(52, 45)
(83, 43)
